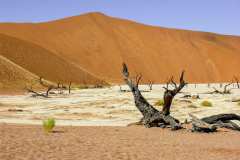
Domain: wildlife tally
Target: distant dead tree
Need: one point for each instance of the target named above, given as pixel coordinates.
(208, 85)
(46, 85)
(220, 85)
(224, 91)
(150, 84)
(237, 81)
(36, 94)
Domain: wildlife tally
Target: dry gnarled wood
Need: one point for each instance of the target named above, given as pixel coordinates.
(151, 116)
(211, 123)
(199, 125)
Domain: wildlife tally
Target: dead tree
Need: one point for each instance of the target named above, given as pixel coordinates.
(150, 84)
(151, 116)
(36, 94)
(69, 87)
(225, 90)
(237, 81)
(46, 85)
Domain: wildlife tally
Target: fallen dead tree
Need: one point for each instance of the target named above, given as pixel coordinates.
(211, 123)
(199, 125)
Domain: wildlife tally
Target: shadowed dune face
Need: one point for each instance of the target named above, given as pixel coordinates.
(97, 44)
(33, 59)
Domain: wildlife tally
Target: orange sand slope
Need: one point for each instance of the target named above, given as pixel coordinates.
(93, 46)
(115, 143)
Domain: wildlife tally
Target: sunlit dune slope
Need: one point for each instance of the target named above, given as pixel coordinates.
(98, 44)
(13, 77)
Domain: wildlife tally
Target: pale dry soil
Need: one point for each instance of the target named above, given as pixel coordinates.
(109, 106)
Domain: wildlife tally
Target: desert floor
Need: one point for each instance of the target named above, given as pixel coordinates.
(91, 125)
(110, 107)
(29, 142)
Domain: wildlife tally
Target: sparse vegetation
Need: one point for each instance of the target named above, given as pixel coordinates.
(49, 124)
(238, 103)
(192, 106)
(206, 103)
(159, 102)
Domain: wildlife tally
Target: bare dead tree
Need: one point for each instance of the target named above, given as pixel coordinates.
(150, 84)
(220, 85)
(46, 85)
(225, 90)
(151, 116)
(237, 81)
(36, 94)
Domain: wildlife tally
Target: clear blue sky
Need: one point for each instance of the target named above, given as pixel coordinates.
(220, 16)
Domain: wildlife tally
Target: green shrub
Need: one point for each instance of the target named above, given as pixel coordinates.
(159, 102)
(238, 103)
(49, 124)
(206, 103)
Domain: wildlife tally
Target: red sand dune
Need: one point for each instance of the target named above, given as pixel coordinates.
(95, 45)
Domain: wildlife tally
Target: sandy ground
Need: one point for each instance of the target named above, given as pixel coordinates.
(109, 106)
(89, 127)
(27, 142)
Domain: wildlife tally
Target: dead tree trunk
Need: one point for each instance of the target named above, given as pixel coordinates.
(151, 116)
(169, 94)
(199, 125)
(211, 123)
(69, 88)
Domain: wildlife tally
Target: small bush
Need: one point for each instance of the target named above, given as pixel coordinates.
(159, 102)
(238, 103)
(192, 106)
(49, 124)
(206, 104)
